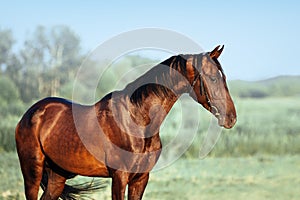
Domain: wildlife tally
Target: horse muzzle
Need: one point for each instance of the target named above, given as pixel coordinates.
(227, 120)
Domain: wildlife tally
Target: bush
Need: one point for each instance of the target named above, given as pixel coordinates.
(7, 133)
(9, 91)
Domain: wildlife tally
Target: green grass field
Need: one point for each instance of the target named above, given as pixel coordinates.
(228, 178)
(248, 178)
(258, 159)
(266, 126)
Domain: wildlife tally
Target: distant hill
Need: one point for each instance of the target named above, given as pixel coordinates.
(277, 86)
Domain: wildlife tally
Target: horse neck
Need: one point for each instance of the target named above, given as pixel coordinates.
(152, 95)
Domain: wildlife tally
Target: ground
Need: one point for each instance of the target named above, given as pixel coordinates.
(247, 178)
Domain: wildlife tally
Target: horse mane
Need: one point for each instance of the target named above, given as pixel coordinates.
(157, 80)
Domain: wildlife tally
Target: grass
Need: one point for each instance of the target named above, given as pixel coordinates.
(258, 159)
(248, 178)
(265, 126)
(228, 178)
(11, 181)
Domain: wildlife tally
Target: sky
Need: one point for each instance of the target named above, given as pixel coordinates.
(261, 38)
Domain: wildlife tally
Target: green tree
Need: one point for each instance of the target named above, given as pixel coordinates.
(6, 43)
(9, 92)
(50, 59)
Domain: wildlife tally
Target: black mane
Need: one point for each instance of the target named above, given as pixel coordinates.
(157, 80)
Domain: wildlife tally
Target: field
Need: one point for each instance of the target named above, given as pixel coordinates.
(248, 178)
(267, 126)
(228, 178)
(258, 159)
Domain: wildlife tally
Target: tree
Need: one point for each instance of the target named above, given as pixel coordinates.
(9, 91)
(6, 43)
(51, 56)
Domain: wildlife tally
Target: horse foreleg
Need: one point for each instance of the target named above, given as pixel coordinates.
(137, 186)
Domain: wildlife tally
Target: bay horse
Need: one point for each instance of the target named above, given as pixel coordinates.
(117, 137)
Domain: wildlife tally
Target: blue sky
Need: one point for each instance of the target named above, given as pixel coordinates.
(261, 38)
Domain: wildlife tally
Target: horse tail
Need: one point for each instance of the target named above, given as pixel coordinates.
(78, 191)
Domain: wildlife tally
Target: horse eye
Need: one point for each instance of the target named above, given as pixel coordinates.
(213, 79)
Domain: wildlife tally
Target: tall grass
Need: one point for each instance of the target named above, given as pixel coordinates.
(264, 126)
(267, 126)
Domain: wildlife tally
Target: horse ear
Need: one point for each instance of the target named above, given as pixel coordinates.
(216, 52)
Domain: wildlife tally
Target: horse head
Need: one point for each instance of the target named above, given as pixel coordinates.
(209, 87)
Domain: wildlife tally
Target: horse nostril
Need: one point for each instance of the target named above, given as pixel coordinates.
(233, 119)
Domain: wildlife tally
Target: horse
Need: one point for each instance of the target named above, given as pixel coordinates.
(118, 136)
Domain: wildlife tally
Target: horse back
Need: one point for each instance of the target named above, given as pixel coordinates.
(51, 122)
(30, 117)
